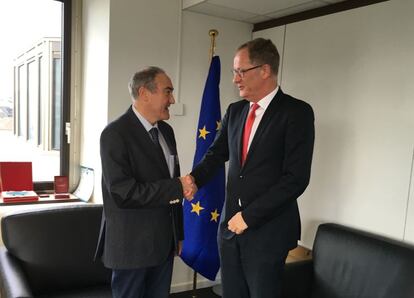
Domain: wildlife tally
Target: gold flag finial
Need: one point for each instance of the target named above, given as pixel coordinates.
(213, 33)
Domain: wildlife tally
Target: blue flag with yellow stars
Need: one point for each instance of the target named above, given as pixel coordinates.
(202, 214)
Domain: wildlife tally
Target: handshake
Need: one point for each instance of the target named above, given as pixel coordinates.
(189, 187)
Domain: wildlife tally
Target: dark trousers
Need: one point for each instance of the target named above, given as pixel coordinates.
(249, 271)
(151, 282)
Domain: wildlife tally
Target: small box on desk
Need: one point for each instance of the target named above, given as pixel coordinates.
(61, 184)
(62, 187)
(62, 196)
(16, 184)
(16, 176)
(19, 196)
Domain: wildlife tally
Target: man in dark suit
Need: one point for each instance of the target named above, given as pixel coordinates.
(142, 218)
(268, 140)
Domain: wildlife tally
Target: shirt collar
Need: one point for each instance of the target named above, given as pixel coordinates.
(144, 121)
(265, 101)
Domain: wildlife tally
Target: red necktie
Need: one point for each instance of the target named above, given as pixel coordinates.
(248, 130)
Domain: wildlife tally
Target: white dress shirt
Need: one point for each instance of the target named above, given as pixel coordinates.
(263, 104)
(163, 143)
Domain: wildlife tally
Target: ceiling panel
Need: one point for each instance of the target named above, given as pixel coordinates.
(260, 7)
(223, 12)
(189, 3)
(253, 11)
(258, 19)
(295, 9)
(332, 1)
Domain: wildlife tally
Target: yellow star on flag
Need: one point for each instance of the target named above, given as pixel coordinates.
(214, 215)
(203, 132)
(218, 125)
(196, 208)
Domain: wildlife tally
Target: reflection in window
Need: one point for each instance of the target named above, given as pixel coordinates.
(57, 103)
(21, 93)
(32, 100)
(40, 101)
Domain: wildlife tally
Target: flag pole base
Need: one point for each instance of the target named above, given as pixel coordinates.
(194, 295)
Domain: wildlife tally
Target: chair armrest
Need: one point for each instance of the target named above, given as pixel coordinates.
(297, 279)
(13, 282)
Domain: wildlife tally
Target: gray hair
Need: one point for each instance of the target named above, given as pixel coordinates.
(262, 51)
(144, 78)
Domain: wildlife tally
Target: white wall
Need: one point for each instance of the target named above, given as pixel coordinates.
(355, 68)
(94, 104)
(120, 37)
(142, 33)
(409, 224)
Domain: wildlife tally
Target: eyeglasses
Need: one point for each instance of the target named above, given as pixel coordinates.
(241, 72)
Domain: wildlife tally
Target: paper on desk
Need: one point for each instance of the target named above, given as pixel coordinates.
(86, 183)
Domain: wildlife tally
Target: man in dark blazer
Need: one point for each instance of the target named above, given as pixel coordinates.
(142, 218)
(268, 140)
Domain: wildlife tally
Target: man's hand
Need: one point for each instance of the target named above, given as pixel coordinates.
(189, 187)
(237, 224)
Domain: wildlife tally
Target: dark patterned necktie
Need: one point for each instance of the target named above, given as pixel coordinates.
(154, 137)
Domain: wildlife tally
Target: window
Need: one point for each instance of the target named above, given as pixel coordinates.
(40, 104)
(56, 103)
(34, 85)
(21, 101)
(32, 92)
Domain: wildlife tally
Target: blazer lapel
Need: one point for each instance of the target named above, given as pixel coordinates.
(148, 144)
(169, 139)
(239, 136)
(266, 119)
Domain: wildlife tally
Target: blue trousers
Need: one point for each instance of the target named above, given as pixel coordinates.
(150, 282)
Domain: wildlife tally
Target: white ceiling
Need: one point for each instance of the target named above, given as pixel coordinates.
(253, 11)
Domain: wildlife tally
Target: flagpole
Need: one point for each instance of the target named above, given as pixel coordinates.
(194, 295)
(212, 33)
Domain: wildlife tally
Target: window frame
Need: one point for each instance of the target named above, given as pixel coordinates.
(44, 186)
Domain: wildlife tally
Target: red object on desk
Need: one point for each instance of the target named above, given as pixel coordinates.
(16, 176)
(19, 196)
(62, 196)
(61, 184)
(62, 187)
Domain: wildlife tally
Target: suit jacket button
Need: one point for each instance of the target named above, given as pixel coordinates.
(241, 176)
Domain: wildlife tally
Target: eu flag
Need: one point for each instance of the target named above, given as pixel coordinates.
(202, 214)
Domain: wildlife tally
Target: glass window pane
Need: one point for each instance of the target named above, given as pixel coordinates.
(57, 103)
(32, 92)
(40, 104)
(30, 84)
(21, 101)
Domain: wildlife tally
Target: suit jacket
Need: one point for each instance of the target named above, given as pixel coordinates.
(139, 224)
(275, 173)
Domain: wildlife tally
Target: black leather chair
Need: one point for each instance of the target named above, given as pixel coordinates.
(49, 253)
(349, 263)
